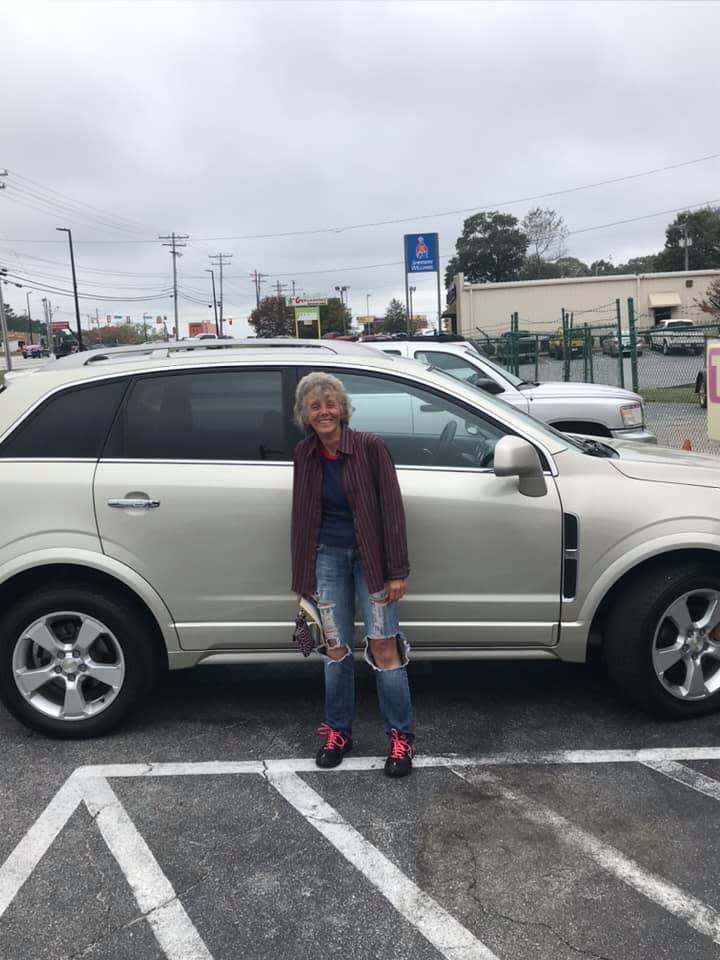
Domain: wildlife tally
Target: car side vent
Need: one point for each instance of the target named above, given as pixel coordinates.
(570, 556)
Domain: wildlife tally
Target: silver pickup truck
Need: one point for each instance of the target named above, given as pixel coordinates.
(588, 408)
(676, 336)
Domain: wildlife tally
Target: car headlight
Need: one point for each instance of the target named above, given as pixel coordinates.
(632, 415)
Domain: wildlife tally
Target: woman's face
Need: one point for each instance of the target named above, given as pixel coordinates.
(322, 412)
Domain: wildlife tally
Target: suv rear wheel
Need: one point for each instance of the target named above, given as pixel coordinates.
(662, 641)
(72, 661)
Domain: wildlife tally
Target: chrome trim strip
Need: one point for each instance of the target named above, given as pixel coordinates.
(253, 624)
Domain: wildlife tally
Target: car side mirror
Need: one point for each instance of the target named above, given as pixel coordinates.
(515, 457)
(486, 384)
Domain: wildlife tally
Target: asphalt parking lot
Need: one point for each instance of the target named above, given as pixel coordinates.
(530, 828)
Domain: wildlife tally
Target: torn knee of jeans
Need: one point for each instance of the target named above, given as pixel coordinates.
(323, 653)
(403, 649)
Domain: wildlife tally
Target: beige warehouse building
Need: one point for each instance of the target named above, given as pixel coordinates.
(487, 307)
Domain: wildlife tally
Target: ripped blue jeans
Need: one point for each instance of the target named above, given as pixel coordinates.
(340, 580)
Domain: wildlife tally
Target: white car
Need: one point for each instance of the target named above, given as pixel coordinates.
(592, 409)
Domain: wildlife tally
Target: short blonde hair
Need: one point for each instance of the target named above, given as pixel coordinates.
(320, 383)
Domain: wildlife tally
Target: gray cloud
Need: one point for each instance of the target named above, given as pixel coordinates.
(225, 119)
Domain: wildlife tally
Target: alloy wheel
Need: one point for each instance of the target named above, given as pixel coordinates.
(68, 666)
(686, 646)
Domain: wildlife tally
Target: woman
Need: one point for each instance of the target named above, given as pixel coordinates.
(348, 540)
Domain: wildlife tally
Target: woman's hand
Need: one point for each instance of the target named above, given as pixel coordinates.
(395, 590)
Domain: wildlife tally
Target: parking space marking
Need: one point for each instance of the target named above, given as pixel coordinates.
(676, 901)
(36, 842)
(687, 776)
(155, 895)
(180, 940)
(441, 929)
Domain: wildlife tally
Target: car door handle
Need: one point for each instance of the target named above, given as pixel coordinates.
(134, 503)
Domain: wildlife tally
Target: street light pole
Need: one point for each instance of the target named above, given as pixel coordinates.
(411, 291)
(74, 280)
(27, 300)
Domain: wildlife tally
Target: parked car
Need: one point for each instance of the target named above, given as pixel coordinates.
(521, 346)
(588, 408)
(676, 336)
(524, 542)
(556, 344)
(611, 346)
(32, 351)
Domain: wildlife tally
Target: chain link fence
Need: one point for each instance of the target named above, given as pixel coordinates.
(608, 344)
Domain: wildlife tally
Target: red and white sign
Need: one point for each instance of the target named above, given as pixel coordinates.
(60, 325)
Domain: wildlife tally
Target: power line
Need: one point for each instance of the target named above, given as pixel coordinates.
(425, 216)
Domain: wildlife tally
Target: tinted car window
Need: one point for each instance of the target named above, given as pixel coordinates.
(69, 425)
(203, 415)
(421, 428)
(449, 362)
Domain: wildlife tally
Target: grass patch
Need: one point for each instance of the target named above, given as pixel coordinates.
(682, 394)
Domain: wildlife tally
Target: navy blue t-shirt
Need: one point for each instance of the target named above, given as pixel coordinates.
(336, 525)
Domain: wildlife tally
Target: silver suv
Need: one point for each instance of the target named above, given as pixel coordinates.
(146, 524)
(588, 408)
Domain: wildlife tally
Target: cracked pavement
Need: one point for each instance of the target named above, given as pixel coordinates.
(257, 880)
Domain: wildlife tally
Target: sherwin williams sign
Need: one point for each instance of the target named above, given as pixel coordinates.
(421, 252)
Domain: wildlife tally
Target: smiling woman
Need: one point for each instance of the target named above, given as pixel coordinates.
(348, 541)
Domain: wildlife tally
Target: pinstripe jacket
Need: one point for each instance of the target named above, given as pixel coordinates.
(373, 492)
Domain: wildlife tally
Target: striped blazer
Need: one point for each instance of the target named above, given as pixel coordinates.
(373, 492)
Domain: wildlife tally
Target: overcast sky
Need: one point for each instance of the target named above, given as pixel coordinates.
(229, 119)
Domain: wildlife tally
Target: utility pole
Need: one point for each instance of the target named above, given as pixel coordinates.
(212, 277)
(74, 280)
(686, 242)
(27, 301)
(411, 291)
(258, 279)
(220, 258)
(174, 244)
(3, 326)
(48, 327)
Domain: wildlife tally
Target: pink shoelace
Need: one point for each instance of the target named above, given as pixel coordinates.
(400, 747)
(333, 738)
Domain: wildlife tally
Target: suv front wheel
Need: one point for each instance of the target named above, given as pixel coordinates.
(662, 641)
(72, 661)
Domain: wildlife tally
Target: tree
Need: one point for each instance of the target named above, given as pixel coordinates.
(273, 318)
(601, 268)
(712, 302)
(395, 318)
(572, 267)
(546, 234)
(11, 319)
(491, 249)
(335, 317)
(703, 230)
(646, 264)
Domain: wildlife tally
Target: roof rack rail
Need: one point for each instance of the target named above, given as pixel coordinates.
(163, 349)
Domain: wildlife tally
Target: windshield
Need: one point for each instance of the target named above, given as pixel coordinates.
(503, 407)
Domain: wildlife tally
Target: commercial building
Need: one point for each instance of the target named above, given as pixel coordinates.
(487, 307)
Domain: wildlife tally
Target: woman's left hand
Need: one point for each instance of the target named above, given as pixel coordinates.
(394, 590)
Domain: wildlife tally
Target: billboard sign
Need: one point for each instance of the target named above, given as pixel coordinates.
(421, 252)
(307, 301)
(59, 325)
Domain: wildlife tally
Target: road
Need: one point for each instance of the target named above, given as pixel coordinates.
(524, 836)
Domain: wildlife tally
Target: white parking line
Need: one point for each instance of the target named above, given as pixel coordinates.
(438, 927)
(153, 892)
(180, 940)
(699, 915)
(685, 775)
(36, 842)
